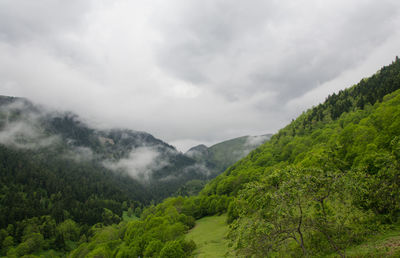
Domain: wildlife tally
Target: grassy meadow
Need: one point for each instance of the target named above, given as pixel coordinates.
(209, 234)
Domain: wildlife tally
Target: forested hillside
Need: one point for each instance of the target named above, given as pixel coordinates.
(322, 184)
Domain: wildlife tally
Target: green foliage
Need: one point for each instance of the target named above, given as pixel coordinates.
(191, 188)
(105, 241)
(68, 230)
(31, 243)
(172, 249)
(130, 212)
(153, 248)
(7, 243)
(109, 217)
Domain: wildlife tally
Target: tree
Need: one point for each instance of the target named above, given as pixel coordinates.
(8, 242)
(294, 205)
(67, 231)
(172, 249)
(153, 248)
(275, 214)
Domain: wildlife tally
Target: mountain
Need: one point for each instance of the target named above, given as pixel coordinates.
(147, 160)
(150, 161)
(220, 156)
(325, 184)
(215, 159)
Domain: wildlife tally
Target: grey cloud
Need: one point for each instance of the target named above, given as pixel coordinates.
(24, 20)
(206, 31)
(189, 71)
(243, 49)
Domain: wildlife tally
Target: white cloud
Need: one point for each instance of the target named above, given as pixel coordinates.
(140, 163)
(24, 130)
(256, 140)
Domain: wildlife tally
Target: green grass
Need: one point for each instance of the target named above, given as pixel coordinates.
(209, 234)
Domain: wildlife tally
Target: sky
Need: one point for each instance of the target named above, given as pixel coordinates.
(192, 72)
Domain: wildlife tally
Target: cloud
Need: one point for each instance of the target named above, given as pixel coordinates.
(25, 136)
(22, 20)
(140, 164)
(198, 168)
(79, 153)
(253, 141)
(242, 49)
(23, 129)
(189, 71)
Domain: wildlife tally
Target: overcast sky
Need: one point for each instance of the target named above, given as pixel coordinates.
(192, 72)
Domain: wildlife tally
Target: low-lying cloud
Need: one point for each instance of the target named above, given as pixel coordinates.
(252, 141)
(79, 154)
(21, 128)
(140, 164)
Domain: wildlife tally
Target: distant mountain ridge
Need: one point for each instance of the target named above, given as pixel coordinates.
(142, 156)
(220, 156)
(147, 160)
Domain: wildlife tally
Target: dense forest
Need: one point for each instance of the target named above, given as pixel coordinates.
(327, 181)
